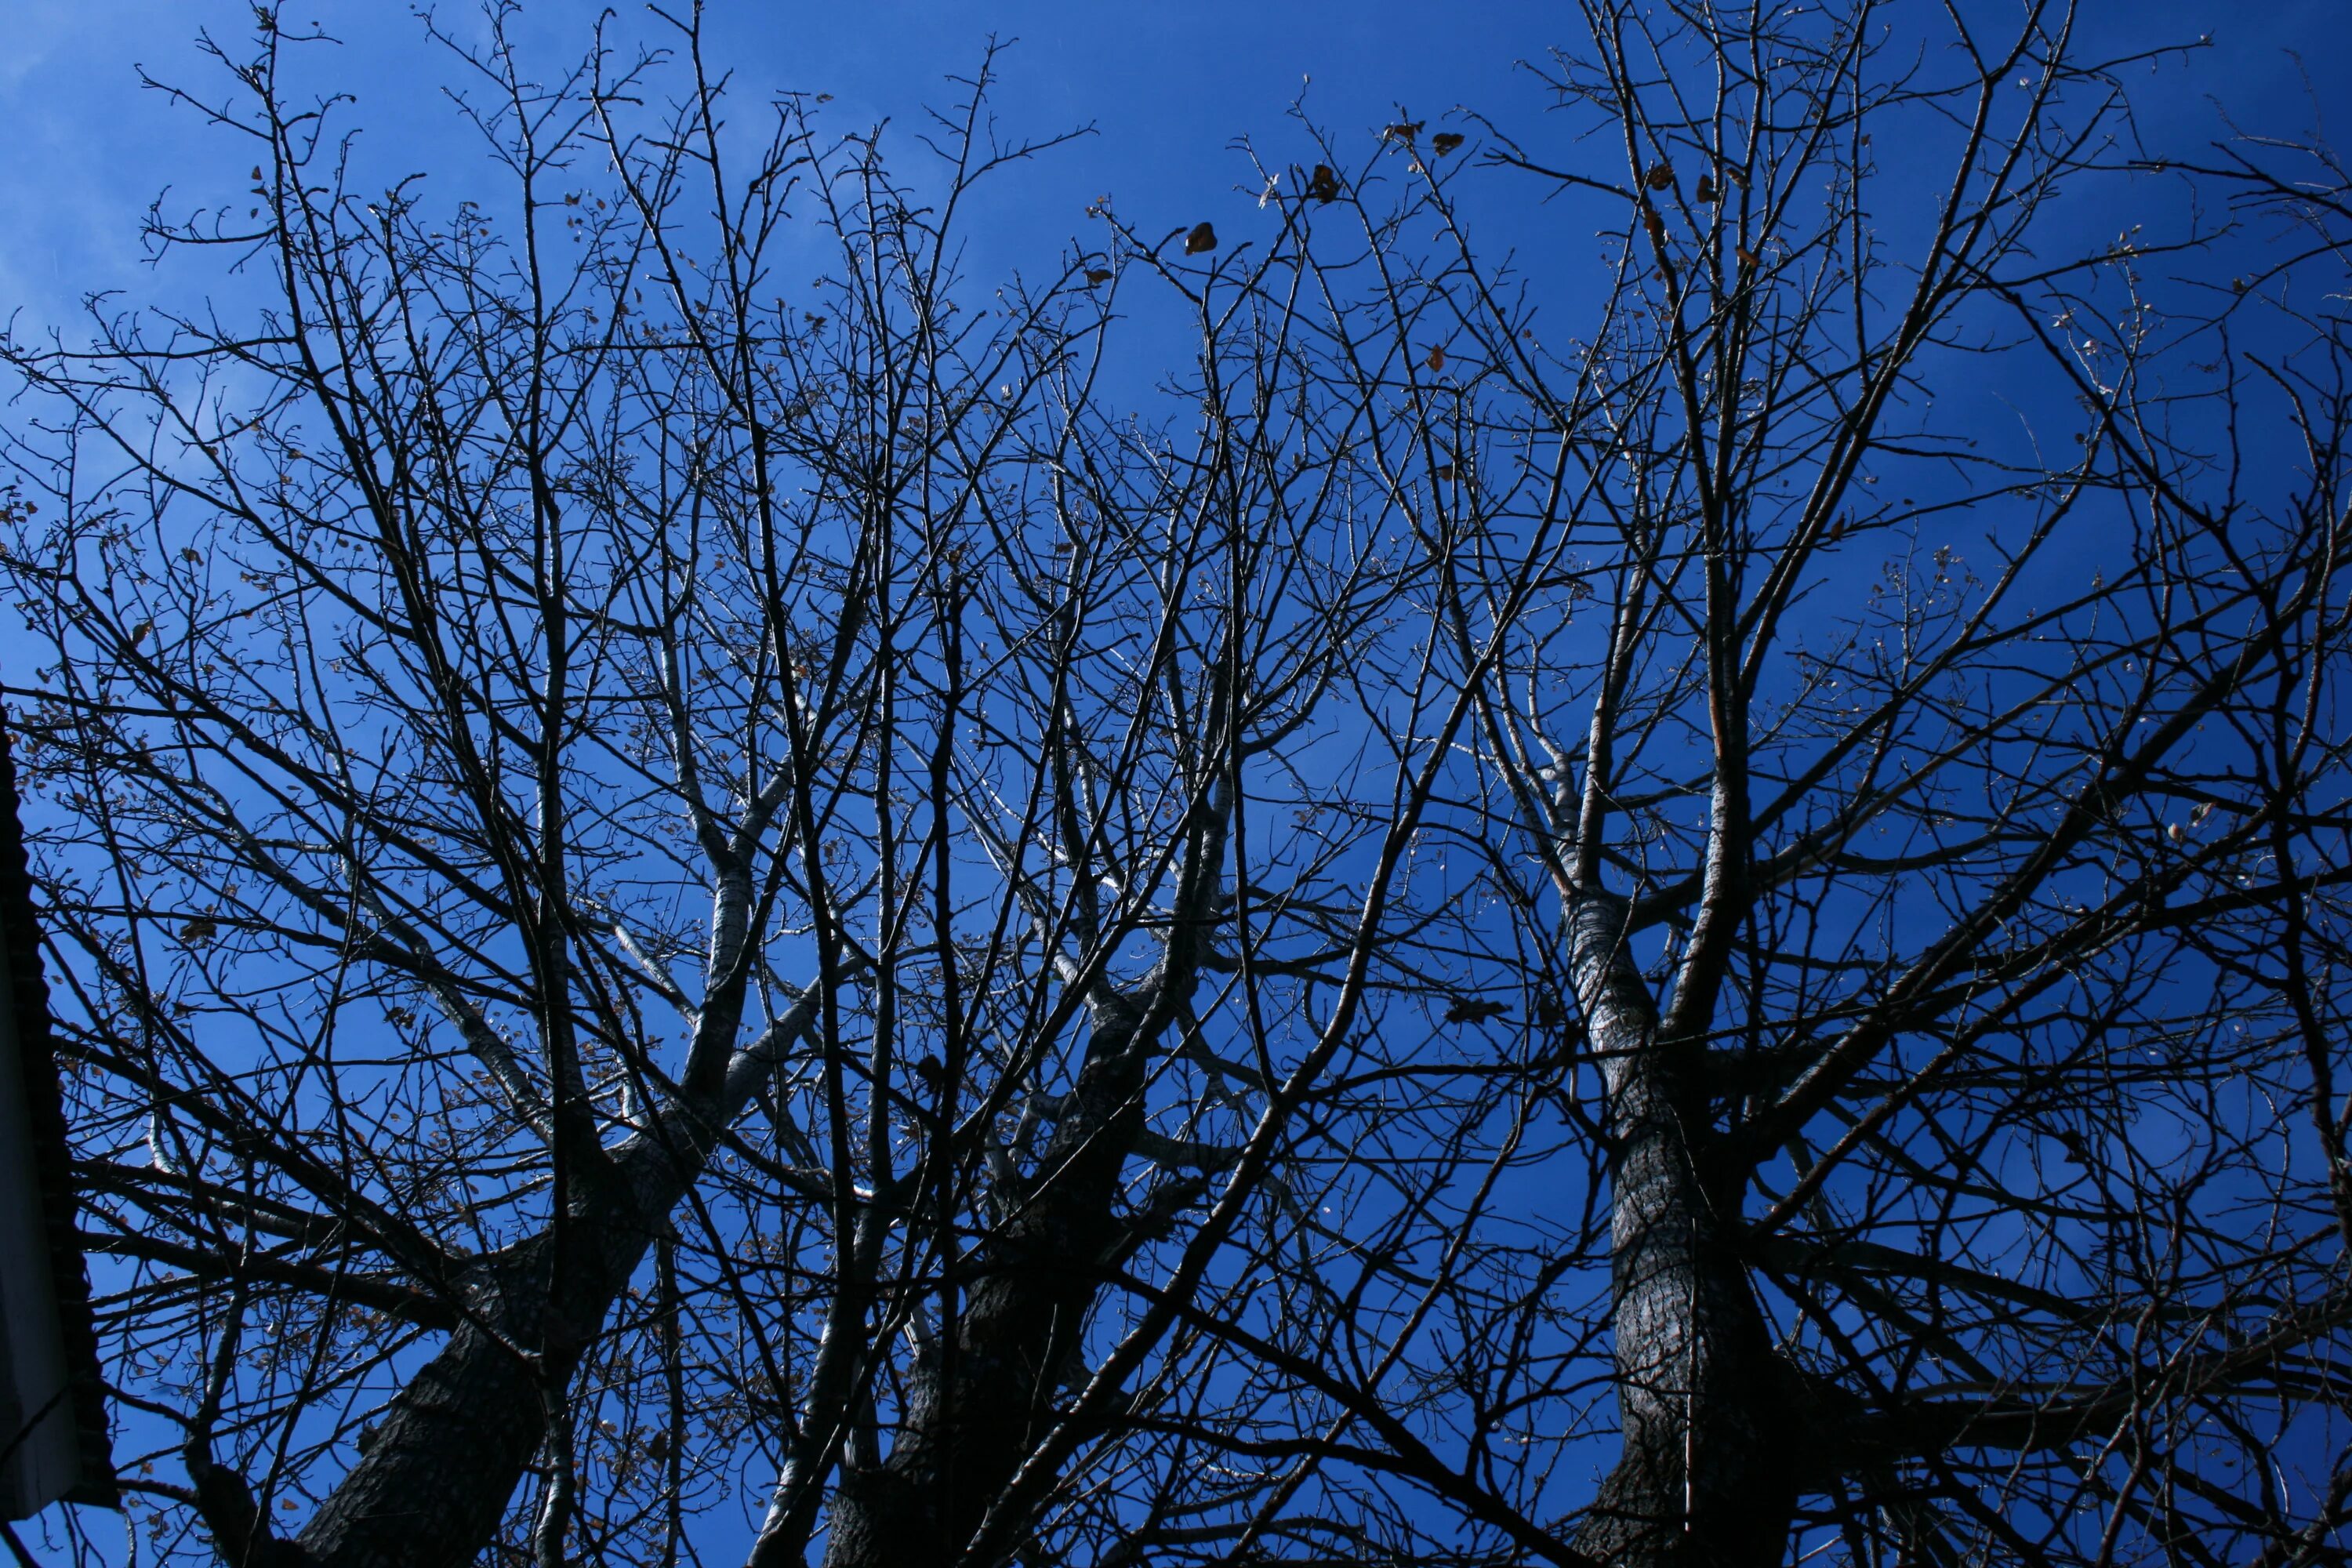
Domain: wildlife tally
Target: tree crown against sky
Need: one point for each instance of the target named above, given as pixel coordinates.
(1280, 892)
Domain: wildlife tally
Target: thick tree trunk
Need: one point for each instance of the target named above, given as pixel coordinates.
(1708, 1411)
(975, 1414)
(442, 1463)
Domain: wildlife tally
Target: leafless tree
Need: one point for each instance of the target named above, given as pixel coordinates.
(1494, 922)
(657, 882)
(1921, 909)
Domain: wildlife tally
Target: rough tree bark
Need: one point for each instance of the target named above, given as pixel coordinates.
(1709, 1473)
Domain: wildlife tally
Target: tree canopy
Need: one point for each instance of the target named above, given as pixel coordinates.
(1304, 891)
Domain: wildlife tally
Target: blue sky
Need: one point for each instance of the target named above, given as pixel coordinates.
(1168, 87)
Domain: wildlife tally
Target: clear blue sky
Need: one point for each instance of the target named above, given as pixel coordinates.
(1169, 87)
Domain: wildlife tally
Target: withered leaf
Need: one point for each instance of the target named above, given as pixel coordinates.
(1706, 187)
(1436, 360)
(1324, 187)
(1465, 1011)
(1445, 141)
(1661, 177)
(1203, 237)
(202, 929)
(1097, 274)
(1403, 130)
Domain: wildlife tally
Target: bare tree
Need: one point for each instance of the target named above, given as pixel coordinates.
(1596, 927)
(1921, 905)
(657, 880)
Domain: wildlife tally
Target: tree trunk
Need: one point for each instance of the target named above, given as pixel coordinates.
(976, 1412)
(1707, 1410)
(446, 1454)
(441, 1464)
